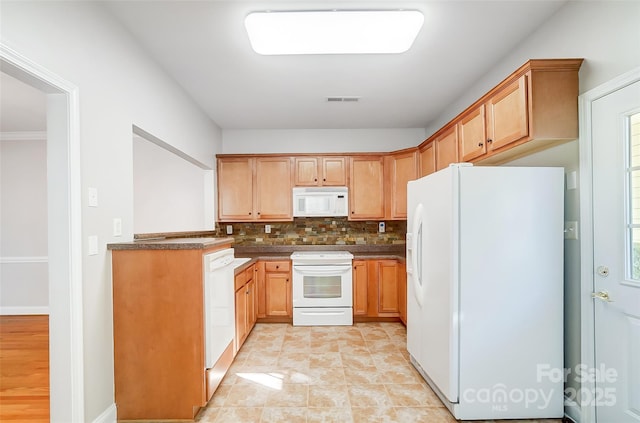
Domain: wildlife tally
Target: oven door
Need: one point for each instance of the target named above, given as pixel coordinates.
(322, 285)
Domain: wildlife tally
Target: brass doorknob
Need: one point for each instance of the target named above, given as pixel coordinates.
(602, 295)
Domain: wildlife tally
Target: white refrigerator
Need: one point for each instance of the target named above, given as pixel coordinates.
(485, 289)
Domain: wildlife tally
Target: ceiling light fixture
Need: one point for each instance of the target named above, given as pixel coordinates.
(333, 31)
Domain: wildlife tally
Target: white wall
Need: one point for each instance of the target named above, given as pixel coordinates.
(119, 86)
(24, 286)
(319, 140)
(169, 193)
(604, 33)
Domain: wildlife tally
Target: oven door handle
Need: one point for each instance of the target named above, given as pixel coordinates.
(322, 270)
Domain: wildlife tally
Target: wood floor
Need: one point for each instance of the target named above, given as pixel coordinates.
(24, 368)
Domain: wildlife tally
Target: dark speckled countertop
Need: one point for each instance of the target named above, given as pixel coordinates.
(171, 244)
(276, 252)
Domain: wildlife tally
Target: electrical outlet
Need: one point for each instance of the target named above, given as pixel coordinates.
(229, 229)
(381, 227)
(267, 229)
(92, 247)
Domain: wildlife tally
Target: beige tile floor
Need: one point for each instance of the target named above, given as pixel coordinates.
(356, 374)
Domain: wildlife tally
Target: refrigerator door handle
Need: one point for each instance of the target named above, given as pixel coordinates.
(416, 254)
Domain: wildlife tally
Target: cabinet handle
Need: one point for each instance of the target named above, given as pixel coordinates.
(249, 213)
(489, 140)
(324, 179)
(277, 267)
(315, 179)
(258, 213)
(352, 212)
(480, 144)
(287, 280)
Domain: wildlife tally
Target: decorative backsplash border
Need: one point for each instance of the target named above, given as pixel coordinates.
(316, 231)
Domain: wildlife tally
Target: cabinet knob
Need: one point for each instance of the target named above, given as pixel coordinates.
(352, 212)
(258, 213)
(315, 179)
(489, 140)
(249, 213)
(324, 179)
(287, 280)
(277, 267)
(480, 144)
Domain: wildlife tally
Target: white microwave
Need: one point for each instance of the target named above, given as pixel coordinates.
(320, 201)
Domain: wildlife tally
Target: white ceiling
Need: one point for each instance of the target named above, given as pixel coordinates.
(204, 47)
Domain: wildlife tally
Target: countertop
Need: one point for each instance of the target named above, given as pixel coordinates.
(171, 244)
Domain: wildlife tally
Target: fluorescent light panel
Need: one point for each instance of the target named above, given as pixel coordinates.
(333, 32)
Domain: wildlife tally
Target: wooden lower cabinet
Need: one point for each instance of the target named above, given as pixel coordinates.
(245, 305)
(159, 334)
(360, 284)
(378, 289)
(274, 291)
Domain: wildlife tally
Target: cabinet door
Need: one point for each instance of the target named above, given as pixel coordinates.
(402, 292)
(387, 287)
(334, 171)
(508, 114)
(278, 294)
(273, 190)
(251, 305)
(241, 317)
(306, 171)
(472, 132)
(402, 169)
(235, 189)
(366, 193)
(428, 159)
(447, 148)
(360, 282)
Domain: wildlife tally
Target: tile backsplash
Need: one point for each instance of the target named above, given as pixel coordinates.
(316, 231)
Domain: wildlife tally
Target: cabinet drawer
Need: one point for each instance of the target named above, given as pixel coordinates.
(248, 273)
(240, 280)
(277, 266)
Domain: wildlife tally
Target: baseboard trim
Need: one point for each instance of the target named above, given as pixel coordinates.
(572, 411)
(108, 416)
(23, 311)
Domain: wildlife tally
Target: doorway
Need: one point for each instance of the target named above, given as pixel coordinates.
(66, 378)
(610, 156)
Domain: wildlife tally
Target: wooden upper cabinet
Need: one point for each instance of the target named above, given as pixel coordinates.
(472, 132)
(320, 171)
(305, 171)
(334, 171)
(447, 147)
(366, 188)
(427, 159)
(401, 168)
(507, 114)
(235, 189)
(254, 189)
(273, 189)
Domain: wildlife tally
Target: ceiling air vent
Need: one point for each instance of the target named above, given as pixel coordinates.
(343, 99)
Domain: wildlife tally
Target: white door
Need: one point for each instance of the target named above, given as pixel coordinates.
(616, 241)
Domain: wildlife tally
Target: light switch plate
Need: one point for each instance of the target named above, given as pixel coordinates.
(92, 197)
(229, 229)
(92, 247)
